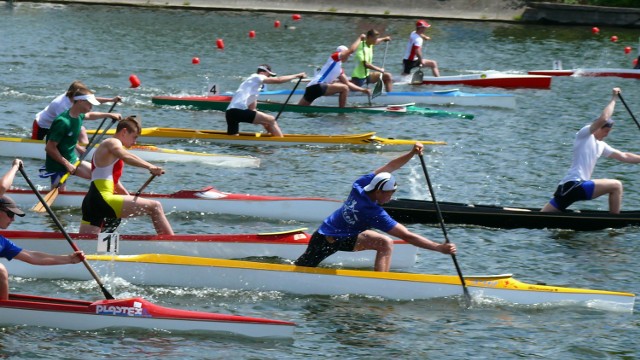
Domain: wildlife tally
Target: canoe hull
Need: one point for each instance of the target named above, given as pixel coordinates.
(492, 79)
(419, 211)
(131, 313)
(27, 148)
(226, 246)
(602, 72)
(164, 270)
(210, 200)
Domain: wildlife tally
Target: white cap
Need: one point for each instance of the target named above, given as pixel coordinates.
(383, 181)
(90, 98)
(342, 48)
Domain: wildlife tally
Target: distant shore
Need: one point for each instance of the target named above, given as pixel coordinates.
(517, 11)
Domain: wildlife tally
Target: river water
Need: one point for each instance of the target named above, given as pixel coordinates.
(510, 157)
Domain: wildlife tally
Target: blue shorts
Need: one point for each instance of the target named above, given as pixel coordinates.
(361, 81)
(321, 247)
(572, 191)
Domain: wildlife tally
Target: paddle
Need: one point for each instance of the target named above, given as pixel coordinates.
(66, 235)
(467, 296)
(417, 77)
(289, 97)
(377, 90)
(53, 194)
(144, 186)
(629, 110)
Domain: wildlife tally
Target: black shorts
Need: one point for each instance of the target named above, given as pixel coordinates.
(97, 212)
(314, 91)
(409, 64)
(361, 81)
(320, 248)
(572, 191)
(236, 116)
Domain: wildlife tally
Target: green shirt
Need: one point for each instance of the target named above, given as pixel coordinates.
(64, 130)
(363, 53)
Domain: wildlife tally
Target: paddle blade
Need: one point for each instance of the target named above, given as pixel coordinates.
(417, 77)
(377, 90)
(49, 199)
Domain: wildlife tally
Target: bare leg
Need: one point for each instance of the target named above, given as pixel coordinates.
(549, 208)
(142, 206)
(4, 283)
(342, 89)
(89, 229)
(388, 81)
(269, 122)
(614, 189)
(433, 65)
(382, 244)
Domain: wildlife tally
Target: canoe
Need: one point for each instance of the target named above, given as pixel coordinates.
(597, 72)
(28, 148)
(442, 97)
(220, 102)
(491, 79)
(288, 245)
(420, 211)
(183, 271)
(163, 135)
(135, 313)
(210, 200)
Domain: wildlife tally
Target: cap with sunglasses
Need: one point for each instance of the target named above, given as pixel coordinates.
(6, 203)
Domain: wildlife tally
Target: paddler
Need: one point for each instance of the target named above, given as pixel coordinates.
(9, 250)
(413, 54)
(349, 227)
(245, 101)
(62, 139)
(365, 72)
(588, 146)
(107, 199)
(331, 79)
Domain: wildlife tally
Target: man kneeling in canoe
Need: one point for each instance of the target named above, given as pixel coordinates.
(9, 250)
(348, 228)
(107, 198)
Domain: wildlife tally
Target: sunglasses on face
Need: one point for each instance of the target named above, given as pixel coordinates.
(10, 213)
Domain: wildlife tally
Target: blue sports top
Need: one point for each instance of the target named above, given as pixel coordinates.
(357, 214)
(8, 249)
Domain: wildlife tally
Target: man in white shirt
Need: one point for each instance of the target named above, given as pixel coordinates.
(413, 54)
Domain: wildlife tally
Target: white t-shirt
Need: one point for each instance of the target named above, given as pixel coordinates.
(413, 46)
(59, 105)
(329, 71)
(586, 151)
(247, 92)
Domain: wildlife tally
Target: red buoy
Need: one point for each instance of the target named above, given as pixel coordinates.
(614, 38)
(135, 82)
(296, 17)
(595, 30)
(252, 34)
(276, 24)
(220, 44)
(195, 60)
(627, 49)
(635, 62)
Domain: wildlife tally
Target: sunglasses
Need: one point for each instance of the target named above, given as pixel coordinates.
(9, 213)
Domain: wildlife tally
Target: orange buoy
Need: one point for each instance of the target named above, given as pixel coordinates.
(614, 38)
(252, 34)
(296, 17)
(220, 44)
(135, 82)
(276, 24)
(627, 49)
(195, 60)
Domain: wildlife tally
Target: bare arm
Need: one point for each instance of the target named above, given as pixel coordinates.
(101, 115)
(7, 179)
(626, 157)
(284, 78)
(399, 162)
(41, 258)
(346, 53)
(52, 150)
(353, 87)
(400, 231)
(606, 112)
(116, 149)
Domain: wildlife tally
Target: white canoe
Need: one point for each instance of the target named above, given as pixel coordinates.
(210, 200)
(28, 148)
(168, 270)
(285, 245)
(597, 72)
(443, 97)
(135, 313)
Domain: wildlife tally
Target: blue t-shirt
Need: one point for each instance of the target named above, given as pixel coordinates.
(357, 214)
(8, 249)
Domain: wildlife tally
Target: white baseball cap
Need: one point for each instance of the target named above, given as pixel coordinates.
(342, 48)
(383, 181)
(90, 98)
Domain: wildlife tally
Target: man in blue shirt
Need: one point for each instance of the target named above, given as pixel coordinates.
(9, 250)
(349, 227)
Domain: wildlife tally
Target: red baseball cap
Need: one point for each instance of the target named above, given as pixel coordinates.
(422, 23)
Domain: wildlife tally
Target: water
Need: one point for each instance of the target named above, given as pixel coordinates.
(505, 157)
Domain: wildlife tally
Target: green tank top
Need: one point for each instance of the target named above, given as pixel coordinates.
(364, 53)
